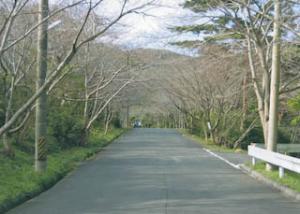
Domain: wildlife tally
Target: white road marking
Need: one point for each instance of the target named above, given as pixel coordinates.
(236, 166)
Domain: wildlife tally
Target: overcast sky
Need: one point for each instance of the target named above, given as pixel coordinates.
(150, 29)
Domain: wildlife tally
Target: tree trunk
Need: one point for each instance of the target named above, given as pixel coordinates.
(86, 87)
(41, 103)
(205, 131)
(106, 126)
(245, 102)
(107, 119)
(84, 136)
(127, 116)
(275, 81)
(212, 137)
(258, 92)
(266, 91)
(6, 144)
(238, 142)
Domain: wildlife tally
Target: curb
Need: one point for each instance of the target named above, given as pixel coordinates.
(285, 190)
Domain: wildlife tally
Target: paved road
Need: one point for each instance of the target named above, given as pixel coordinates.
(157, 171)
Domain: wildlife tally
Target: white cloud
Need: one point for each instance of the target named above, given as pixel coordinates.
(150, 29)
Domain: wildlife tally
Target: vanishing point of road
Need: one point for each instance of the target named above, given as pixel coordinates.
(157, 171)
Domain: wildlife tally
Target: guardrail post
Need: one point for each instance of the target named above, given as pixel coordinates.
(281, 172)
(253, 161)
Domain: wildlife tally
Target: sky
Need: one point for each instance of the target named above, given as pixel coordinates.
(149, 29)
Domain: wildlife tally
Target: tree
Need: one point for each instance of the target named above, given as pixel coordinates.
(78, 42)
(246, 25)
(210, 92)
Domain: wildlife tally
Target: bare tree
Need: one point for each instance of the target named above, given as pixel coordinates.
(275, 81)
(77, 44)
(251, 27)
(209, 93)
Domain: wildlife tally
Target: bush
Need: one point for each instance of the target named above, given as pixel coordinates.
(116, 122)
(20, 182)
(254, 136)
(65, 128)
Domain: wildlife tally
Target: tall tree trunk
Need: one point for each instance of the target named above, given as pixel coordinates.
(127, 115)
(6, 144)
(85, 130)
(41, 103)
(86, 87)
(84, 136)
(266, 90)
(86, 101)
(205, 131)
(275, 81)
(245, 102)
(108, 117)
(258, 92)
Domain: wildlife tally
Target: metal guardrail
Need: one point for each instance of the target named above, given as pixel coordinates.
(274, 158)
(284, 148)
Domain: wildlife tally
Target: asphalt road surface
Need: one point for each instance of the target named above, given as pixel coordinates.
(157, 171)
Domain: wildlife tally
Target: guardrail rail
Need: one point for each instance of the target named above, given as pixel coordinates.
(284, 148)
(274, 158)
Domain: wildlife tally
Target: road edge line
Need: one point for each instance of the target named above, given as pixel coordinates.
(236, 166)
(286, 191)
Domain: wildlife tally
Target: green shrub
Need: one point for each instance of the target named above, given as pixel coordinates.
(254, 136)
(65, 128)
(19, 182)
(116, 122)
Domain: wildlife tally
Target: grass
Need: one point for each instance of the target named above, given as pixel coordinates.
(291, 179)
(208, 144)
(19, 182)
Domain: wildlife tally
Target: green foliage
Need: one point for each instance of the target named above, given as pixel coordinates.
(223, 37)
(2, 112)
(204, 28)
(294, 103)
(255, 136)
(206, 144)
(291, 179)
(283, 136)
(19, 182)
(222, 26)
(196, 129)
(65, 127)
(294, 107)
(149, 121)
(204, 5)
(25, 143)
(116, 122)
